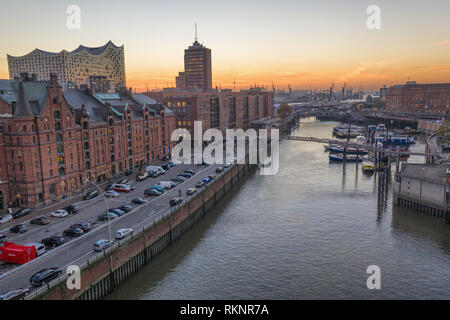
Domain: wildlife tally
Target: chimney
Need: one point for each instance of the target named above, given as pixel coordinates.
(54, 79)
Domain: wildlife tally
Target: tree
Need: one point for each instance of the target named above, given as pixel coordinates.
(284, 110)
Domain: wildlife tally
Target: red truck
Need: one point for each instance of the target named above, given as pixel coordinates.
(14, 253)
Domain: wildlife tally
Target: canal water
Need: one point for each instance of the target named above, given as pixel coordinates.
(309, 232)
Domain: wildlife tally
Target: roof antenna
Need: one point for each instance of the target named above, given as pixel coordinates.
(196, 32)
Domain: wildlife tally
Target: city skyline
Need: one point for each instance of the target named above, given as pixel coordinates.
(283, 43)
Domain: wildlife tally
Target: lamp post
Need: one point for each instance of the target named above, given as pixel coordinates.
(106, 205)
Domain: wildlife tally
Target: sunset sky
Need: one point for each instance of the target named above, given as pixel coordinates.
(296, 42)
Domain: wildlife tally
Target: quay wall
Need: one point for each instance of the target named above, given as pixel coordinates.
(99, 278)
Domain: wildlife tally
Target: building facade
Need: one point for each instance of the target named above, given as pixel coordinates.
(216, 109)
(52, 140)
(73, 68)
(419, 98)
(197, 67)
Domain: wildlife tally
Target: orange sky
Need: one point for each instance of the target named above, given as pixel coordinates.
(301, 43)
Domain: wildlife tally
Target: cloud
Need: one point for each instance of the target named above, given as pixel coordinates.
(442, 43)
(373, 70)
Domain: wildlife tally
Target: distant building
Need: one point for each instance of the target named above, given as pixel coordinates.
(419, 98)
(216, 109)
(52, 141)
(197, 67)
(73, 68)
(180, 81)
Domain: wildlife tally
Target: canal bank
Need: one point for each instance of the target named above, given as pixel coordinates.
(103, 276)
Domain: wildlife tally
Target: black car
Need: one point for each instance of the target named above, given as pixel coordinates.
(21, 213)
(109, 187)
(178, 179)
(90, 195)
(219, 169)
(71, 209)
(41, 221)
(190, 171)
(45, 275)
(85, 226)
(16, 294)
(152, 192)
(175, 201)
(165, 166)
(126, 208)
(73, 232)
(139, 201)
(165, 158)
(20, 228)
(2, 238)
(53, 241)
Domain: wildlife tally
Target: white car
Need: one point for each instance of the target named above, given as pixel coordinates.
(59, 213)
(112, 194)
(6, 218)
(122, 233)
(40, 248)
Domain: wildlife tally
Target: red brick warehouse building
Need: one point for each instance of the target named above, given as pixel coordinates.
(419, 98)
(52, 141)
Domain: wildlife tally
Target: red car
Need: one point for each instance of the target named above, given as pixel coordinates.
(121, 188)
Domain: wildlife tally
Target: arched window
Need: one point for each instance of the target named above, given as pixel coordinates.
(24, 128)
(111, 122)
(86, 145)
(57, 114)
(58, 126)
(85, 125)
(61, 171)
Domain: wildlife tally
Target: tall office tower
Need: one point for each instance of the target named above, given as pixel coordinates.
(197, 66)
(73, 68)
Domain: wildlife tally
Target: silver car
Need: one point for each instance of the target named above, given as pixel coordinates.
(6, 218)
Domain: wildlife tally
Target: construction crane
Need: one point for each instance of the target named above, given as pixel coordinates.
(331, 92)
(343, 91)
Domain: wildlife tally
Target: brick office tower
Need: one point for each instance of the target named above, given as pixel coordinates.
(52, 141)
(197, 67)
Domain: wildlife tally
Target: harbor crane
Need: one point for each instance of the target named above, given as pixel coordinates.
(331, 92)
(343, 91)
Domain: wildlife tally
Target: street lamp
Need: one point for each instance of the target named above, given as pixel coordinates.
(106, 205)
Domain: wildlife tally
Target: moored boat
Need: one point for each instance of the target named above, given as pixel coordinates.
(339, 157)
(368, 167)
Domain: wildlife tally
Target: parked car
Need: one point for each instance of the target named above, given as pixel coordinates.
(112, 194)
(139, 201)
(165, 158)
(219, 169)
(171, 164)
(16, 294)
(104, 216)
(122, 233)
(3, 238)
(212, 177)
(102, 244)
(117, 211)
(167, 184)
(153, 174)
(73, 232)
(191, 191)
(175, 201)
(22, 213)
(118, 187)
(6, 218)
(199, 184)
(152, 192)
(227, 165)
(59, 213)
(19, 228)
(185, 175)
(71, 209)
(85, 226)
(191, 171)
(178, 179)
(109, 187)
(45, 275)
(53, 241)
(141, 176)
(41, 221)
(158, 188)
(206, 180)
(126, 208)
(165, 167)
(90, 195)
(40, 248)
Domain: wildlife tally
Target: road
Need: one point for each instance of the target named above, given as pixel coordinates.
(79, 250)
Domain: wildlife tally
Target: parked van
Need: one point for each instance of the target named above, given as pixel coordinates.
(142, 175)
(156, 168)
(40, 248)
(121, 187)
(167, 184)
